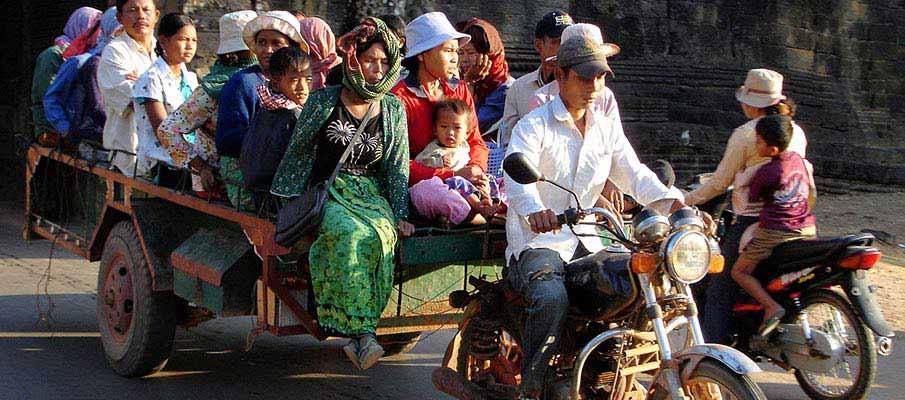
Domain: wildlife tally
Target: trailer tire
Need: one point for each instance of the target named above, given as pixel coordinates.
(137, 324)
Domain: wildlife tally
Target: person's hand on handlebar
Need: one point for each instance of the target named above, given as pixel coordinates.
(543, 221)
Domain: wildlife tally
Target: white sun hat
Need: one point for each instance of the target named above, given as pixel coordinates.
(231, 28)
(762, 88)
(430, 30)
(280, 21)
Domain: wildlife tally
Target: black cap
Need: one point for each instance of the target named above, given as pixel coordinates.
(552, 24)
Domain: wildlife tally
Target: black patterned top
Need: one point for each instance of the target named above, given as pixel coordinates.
(333, 139)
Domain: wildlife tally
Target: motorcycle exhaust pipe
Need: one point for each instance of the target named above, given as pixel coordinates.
(884, 346)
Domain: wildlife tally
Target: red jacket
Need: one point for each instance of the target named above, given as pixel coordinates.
(419, 111)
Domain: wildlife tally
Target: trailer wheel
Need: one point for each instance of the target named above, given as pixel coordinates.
(137, 324)
(398, 343)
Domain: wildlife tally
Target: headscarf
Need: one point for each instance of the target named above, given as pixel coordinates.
(220, 73)
(486, 40)
(353, 78)
(78, 23)
(322, 48)
(96, 37)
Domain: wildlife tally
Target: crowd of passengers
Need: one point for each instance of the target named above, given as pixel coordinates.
(429, 109)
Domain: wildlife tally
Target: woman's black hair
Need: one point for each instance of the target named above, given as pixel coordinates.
(775, 130)
(288, 59)
(397, 26)
(411, 64)
(169, 25)
(785, 107)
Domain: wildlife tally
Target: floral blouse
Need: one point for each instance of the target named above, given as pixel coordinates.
(198, 116)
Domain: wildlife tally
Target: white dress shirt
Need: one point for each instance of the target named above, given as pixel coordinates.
(159, 84)
(549, 138)
(123, 56)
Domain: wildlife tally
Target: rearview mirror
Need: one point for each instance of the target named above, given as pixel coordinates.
(520, 169)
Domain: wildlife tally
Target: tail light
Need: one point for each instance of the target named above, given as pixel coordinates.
(864, 259)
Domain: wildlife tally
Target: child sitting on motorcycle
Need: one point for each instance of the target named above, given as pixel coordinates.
(784, 184)
(455, 200)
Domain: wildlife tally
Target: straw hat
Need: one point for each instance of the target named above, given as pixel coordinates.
(762, 88)
(231, 27)
(280, 21)
(428, 31)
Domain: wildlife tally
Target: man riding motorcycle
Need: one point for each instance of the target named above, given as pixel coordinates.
(578, 148)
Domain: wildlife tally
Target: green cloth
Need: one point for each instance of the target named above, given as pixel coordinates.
(291, 178)
(219, 74)
(46, 67)
(229, 170)
(352, 259)
(355, 80)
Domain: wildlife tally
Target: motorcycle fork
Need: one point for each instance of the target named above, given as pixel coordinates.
(669, 368)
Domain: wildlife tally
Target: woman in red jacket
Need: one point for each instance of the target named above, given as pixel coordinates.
(432, 61)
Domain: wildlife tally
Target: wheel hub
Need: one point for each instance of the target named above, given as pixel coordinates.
(118, 299)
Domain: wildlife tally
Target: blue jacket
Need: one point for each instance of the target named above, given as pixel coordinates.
(73, 103)
(490, 110)
(239, 102)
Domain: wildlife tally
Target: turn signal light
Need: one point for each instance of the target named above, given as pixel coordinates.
(717, 262)
(862, 260)
(644, 263)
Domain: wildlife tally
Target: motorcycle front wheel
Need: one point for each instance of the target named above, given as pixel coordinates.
(712, 380)
(851, 378)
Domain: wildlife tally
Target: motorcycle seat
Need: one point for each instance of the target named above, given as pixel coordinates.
(803, 253)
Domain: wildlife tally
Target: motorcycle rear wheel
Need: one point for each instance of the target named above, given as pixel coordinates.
(497, 376)
(838, 315)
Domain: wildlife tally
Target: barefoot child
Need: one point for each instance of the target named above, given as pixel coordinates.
(455, 200)
(784, 184)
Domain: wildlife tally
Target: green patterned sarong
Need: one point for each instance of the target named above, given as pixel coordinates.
(352, 259)
(229, 169)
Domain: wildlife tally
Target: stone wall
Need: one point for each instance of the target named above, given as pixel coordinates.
(680, 65)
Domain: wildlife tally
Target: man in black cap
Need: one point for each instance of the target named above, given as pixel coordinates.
(579, 147)
(546, 41)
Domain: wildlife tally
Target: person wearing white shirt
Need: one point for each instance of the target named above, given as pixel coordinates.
(122, 62)
(579, 148)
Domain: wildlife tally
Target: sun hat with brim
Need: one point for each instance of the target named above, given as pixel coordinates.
(584, 56)
(428, 31)
(232, 26)
(762, 88)
(281, 21)
(590, 31)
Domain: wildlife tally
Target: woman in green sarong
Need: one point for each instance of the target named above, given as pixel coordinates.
(351, 261)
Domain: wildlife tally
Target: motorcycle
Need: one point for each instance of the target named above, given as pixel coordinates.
(624, 304)
(826, 337)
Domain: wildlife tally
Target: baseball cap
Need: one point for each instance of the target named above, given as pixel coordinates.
(552, 24)
(584, 56)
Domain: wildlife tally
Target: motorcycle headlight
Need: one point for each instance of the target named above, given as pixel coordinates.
(688, 255)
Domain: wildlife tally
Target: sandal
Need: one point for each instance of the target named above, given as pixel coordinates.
(771, 323)
(351, 351)
(370, 353)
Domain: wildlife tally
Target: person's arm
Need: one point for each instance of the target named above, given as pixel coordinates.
(526, 139)
(57, 96)
(762, 184)
(234, 116)
(510, 113)
(116, 79)
(189, 117)
(393, 177)
(156, 112)
(733, 161)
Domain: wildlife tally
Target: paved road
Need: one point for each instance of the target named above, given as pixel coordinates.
(61, 358)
